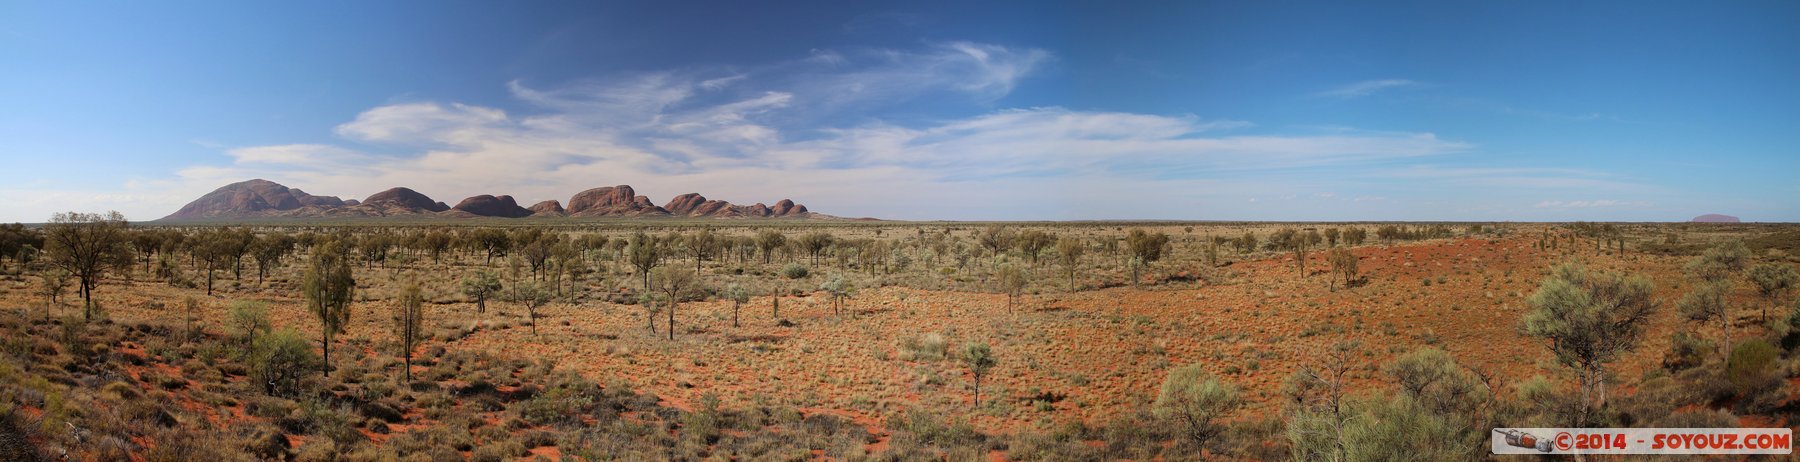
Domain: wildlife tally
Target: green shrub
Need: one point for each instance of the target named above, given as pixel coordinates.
(1686, 351)
(279, 360)
(1196, 401)
(928, 347)
(249, 319)
(1751, 363)
(794, 271)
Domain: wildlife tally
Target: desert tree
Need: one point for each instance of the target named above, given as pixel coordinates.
(745, 247)
(409, 321)
(146, 242)
(702, 245)
(768, 240)
(1068, 253)
(1301, 243)
(1774, 281)
(1247, 242)
(1440, 411)
(329, 286)
(645, 254)
(1441, 385)
(213, 249)
(1282, 239)
(775, 303)
(375, 248)
(248, 319)
(52, 283)
(594, 246)
(305, 239)
(1343, 263)
(979, 358)
(815, 243)
(1012, 281)
(268, 251)
(1590, 319)
(15, 240)
(536, 253)
(189, 305)
(1331, 236)
(573, 266)
(1197, 401)
(647, 299)
(1707, 303)
(739, 296)
(995, 238)
(236, 244)
(492, 241)
(1212, 249)
(1355, 236)
(553, 269)
(1145, 248)
(1719, 262)
(1033, 243)
(436, 242)
(480, 286)
(838, 288)
(674, 284)
(87, 245)
(279, 360)
(530, 295)
(1315, 400)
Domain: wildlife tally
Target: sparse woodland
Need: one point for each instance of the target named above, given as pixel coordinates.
(801, 340)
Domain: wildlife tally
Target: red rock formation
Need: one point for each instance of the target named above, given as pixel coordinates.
(253, 197)
(266, 199)
(607, 201)
(492, 206)
(404, 198)
(696, 205)
(549, 208)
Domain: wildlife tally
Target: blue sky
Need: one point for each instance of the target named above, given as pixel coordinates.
(1640, 111)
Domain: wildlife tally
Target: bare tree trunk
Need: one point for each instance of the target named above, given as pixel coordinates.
(977, 390)
(326, 345)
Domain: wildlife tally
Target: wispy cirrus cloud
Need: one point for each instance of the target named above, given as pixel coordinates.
(1365, 88)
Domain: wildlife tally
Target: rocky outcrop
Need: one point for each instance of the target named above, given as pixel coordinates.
(256, 199)
(696, 205)
(308, 200)
(612, 201)
(403, 198)
(787, 208)
(251, 198)
(492, 206)
(549, 208)
(1714, 218)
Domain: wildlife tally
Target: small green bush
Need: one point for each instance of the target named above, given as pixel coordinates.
(1750, 363)
(279, 360)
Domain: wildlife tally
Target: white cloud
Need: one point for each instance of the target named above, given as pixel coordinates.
(293, 154)
(453, 123)
(778, 131)
(1365, 88)
(1588, 204)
